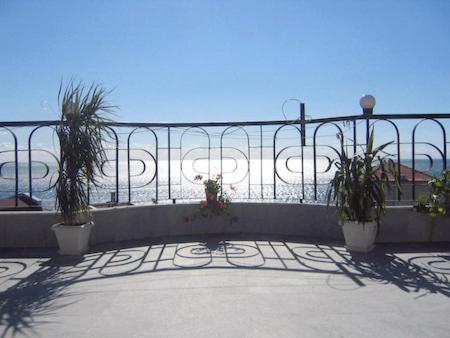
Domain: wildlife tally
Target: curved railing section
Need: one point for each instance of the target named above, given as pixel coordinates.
(258, 160)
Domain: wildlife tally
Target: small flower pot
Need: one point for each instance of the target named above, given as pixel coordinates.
(210, 197)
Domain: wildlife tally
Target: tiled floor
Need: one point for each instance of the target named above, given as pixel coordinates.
(244, 288)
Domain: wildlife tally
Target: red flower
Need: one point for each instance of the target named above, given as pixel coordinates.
(221, 205)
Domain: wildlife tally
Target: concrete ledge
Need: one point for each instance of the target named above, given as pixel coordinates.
(401, 224)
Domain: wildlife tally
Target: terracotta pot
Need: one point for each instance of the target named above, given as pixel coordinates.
(210, 196)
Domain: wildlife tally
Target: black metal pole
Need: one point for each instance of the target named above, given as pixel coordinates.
(367, 131)
(261, 159)
(303, 144)
(16, 171)
(302, 125)
(129, 168)
(168, 159)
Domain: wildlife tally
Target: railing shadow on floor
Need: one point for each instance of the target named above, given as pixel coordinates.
(420, 269)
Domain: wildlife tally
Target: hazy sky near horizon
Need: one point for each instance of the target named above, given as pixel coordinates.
(226, 60)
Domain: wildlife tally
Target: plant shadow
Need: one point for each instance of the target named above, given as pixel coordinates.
(34, 295)
(425, 272)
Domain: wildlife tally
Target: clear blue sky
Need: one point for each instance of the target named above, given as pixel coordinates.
(226, 60)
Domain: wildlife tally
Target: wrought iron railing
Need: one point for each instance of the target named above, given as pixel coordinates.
(258, 160)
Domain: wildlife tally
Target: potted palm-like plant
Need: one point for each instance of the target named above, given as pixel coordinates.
(82, 134)
(358, 191)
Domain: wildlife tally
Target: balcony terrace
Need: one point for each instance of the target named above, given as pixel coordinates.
(280, 270)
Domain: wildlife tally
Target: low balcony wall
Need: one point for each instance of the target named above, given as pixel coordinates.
(401, 224)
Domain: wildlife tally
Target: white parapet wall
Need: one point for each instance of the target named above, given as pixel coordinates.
(400, 224)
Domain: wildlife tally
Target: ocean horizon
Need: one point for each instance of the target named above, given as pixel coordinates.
(237, 181)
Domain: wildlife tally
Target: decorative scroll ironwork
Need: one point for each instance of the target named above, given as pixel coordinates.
(315, 155)
(184, 156)
(398, 159)
(442, 151)
(51, 175)
(16, 165)
(276, 156)
(130, 160)
(229, 131)
(294, 167)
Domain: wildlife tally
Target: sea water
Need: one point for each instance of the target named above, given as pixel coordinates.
(255, 180)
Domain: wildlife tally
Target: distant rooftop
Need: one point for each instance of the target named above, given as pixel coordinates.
(407, 174)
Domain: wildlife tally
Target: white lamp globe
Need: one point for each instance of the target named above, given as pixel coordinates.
(367, 102)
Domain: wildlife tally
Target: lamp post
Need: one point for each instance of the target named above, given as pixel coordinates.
(70, 110)
(367, 102)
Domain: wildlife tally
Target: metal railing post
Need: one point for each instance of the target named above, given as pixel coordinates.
(168, 164)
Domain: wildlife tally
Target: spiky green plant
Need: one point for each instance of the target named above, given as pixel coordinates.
(358, 187)
(82, 133)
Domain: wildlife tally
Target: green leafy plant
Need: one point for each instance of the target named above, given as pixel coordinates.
(217, 202)
(213, 187)
(422, 203)
(358, 186)
(82, 133)
(439, 201)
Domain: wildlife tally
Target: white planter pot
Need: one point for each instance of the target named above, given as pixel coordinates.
(359, 237)
(72, 239)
